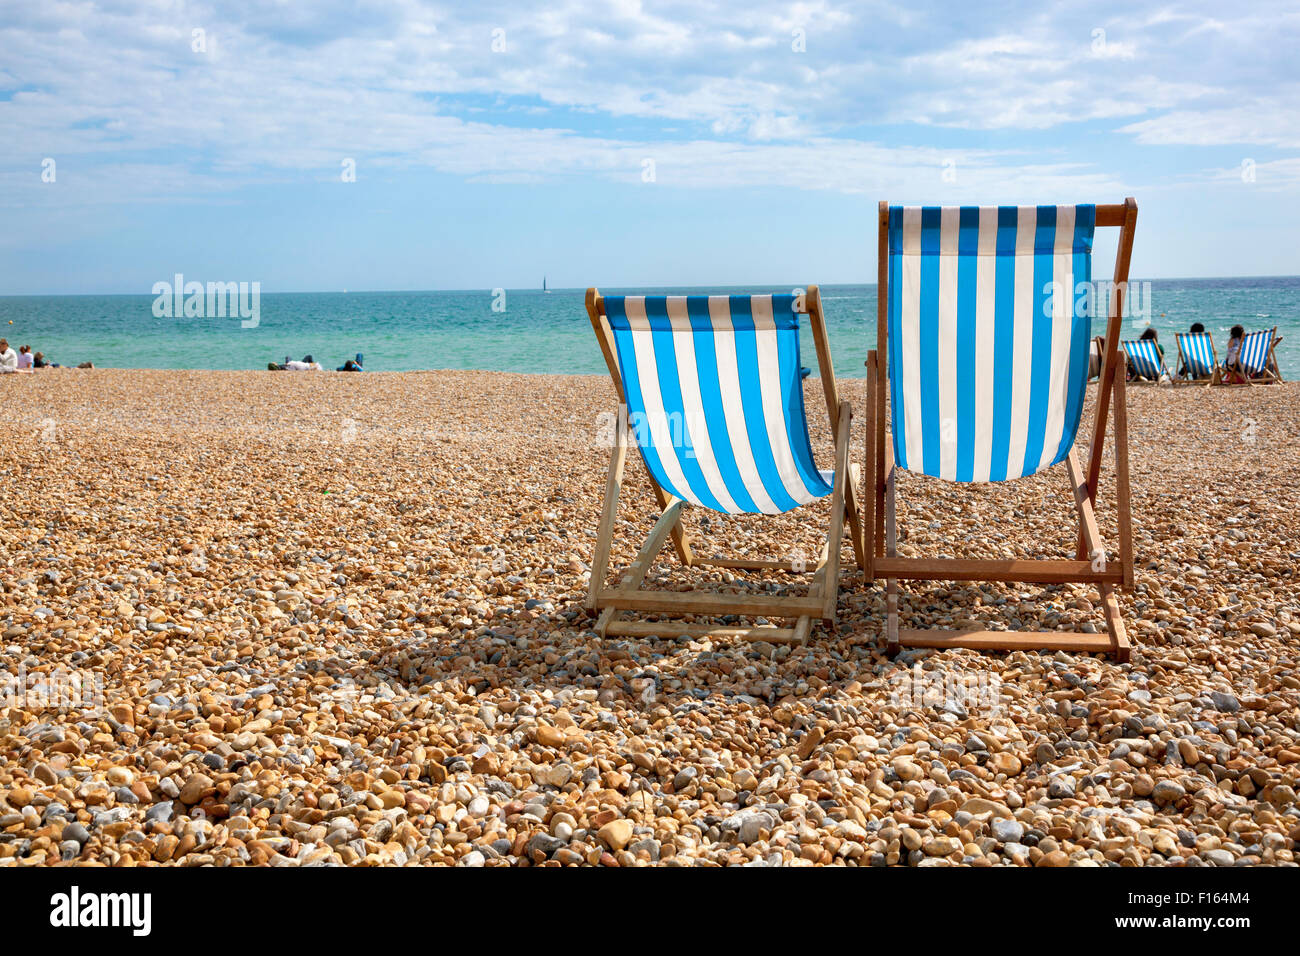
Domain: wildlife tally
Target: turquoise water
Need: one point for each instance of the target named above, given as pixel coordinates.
(536, 332)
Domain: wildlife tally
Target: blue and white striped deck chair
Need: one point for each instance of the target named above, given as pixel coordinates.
(1095, 350)
(1256, 359)
(1197, 359)
(985, 317)
(1144, 360)
(709, 387)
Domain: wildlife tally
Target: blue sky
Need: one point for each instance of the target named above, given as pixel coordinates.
(497, 142)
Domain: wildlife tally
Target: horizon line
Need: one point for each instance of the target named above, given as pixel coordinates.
(579, 289)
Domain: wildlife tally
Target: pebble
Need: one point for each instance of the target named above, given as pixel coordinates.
(1007, 831)
(616, 834)
(1005, 762)
(1166, 792)
(549, 736)
(1227, 703)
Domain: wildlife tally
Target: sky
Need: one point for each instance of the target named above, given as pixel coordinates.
(403, 145)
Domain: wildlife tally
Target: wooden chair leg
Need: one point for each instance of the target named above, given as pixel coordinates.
(869, 498)
(880, 468)
(681, 542)
(892, 645)
(834, 408)
(802, 629)
(1123, 501)
(842, 483)
(1115, 626)
(853, 514)
(605, 534)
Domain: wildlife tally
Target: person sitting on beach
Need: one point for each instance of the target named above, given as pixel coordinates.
(1196, 329)
(1150, 335)
(24, 358)
(8, 357)
(1232, 360)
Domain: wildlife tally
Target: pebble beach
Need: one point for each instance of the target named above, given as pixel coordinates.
(338, 620)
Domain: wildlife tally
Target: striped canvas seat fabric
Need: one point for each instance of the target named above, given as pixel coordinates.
(715, 398)
(1254, 351)
(1144, 359)
(1198, 353)
(988, 344)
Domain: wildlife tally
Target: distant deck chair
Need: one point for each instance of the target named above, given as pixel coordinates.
(710, 387)
(986, 375)
(1144, 360)
(1197, 360)
(1257, 360)
(1095, 350)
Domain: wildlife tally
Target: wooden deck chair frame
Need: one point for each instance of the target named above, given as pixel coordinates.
(1092, 564)
(1272, 371)
(1211, 379)
(611, 600)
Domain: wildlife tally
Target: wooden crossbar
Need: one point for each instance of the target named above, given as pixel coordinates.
(773, 635)
(1087, 519)
(747, 564)
(1029, 571)
(690, 602)
(981, 640)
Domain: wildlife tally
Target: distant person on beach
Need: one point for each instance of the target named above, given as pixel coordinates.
(307, 364)
(40, 361)
(8, 357)
(1232, 360)
(1196, 329)
(352, 365)
(24, 358)
(1150, 336)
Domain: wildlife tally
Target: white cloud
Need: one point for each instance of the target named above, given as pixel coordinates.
(1261, 123)
(283, 89)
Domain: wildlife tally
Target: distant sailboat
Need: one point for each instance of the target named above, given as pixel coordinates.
(544, 289)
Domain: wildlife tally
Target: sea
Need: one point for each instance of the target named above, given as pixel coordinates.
(526, 330)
